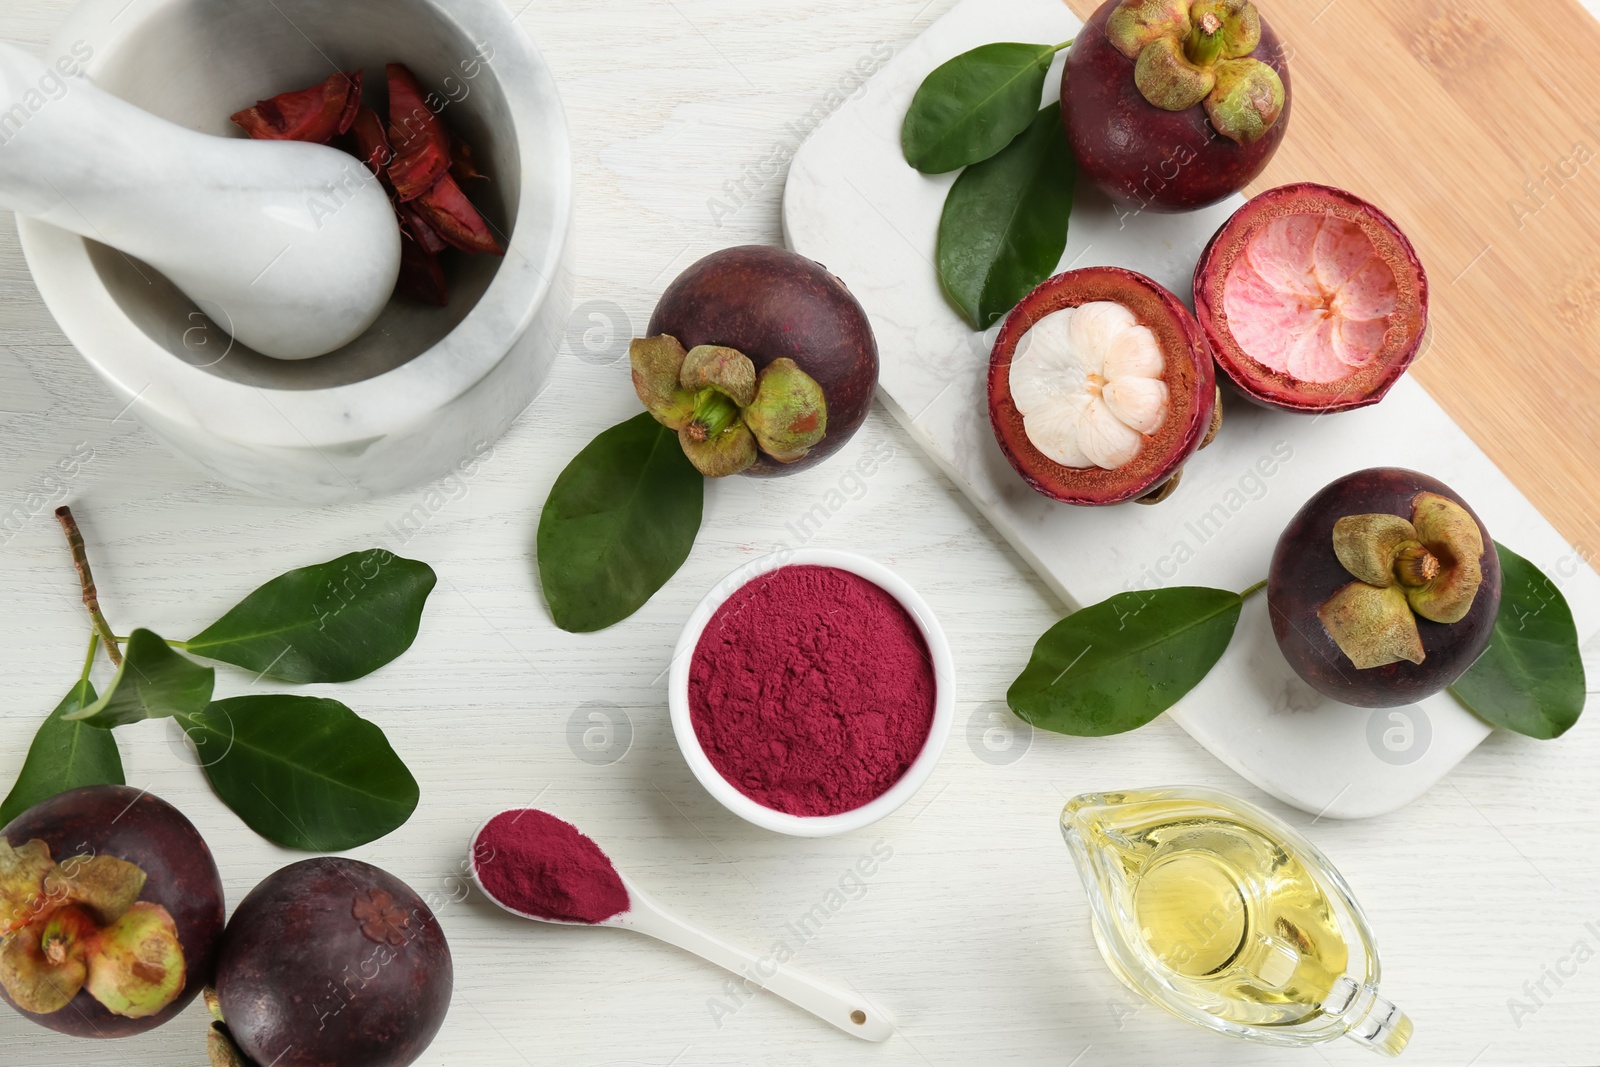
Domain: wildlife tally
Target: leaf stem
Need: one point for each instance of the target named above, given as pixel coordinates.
(91, 599)
(1253, 590)
(1065, 44)
(88, 660)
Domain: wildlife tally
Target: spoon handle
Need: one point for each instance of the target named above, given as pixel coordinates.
(849, 1011)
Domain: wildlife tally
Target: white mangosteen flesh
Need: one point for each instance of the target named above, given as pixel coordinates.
(1310, 297)
(1089, 383)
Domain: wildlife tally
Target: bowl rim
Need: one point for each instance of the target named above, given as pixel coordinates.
(943, 708)
(363, 411)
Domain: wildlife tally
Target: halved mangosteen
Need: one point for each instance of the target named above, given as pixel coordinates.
(1100, 387)
(1312, 299)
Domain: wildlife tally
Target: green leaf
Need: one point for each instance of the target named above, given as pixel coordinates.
(152, 683)
(620, 521)
(303, 772)
(64, 755)
(1005, 220)
(1530, 679)
(334, 622)
(974, 105)
(1116, 665)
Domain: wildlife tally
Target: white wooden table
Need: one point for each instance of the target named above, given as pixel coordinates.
(975, 931)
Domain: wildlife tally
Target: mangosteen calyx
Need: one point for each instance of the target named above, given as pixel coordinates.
(1190, 53)
(1429, 566)
(80, 925)
(222, 1050)
(725, 414)
(22, 873)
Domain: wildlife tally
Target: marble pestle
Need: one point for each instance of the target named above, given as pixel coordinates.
(292, 248)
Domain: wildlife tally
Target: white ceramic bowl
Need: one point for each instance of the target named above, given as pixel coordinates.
(916, 774)
(424, 387)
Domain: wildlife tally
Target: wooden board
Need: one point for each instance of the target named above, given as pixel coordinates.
(1477, 126)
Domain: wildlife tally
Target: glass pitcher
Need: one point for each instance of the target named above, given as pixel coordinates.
(1228, 918)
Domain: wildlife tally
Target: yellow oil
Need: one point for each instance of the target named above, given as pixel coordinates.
(1240, 924)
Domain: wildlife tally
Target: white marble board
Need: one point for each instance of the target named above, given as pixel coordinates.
(853, 203)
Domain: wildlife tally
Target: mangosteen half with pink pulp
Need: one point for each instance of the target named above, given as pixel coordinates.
(1312, 300)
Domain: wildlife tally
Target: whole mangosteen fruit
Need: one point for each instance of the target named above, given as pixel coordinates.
(1312, 299)
(330, 962)
(1101, 387)
(1173, 105)
(1384, 588)
(111, 911)
(760, 359)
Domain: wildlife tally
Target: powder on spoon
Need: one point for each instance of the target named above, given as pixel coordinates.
(536, 863)
(811, 690)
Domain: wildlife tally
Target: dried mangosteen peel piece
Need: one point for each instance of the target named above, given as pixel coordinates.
(1185, 54)
(315, 115)
(1430, 566)
(725, 414)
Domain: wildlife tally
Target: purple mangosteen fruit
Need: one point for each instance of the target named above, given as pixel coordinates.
(1173, 105)
(1101, 387)
(1312, 299)
(111, 911)
(760, 359)
(330, 962)
(1384, 588)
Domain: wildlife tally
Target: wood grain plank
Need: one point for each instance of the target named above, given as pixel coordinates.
(1477, 126)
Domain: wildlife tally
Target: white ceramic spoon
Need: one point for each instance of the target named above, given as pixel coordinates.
(293, 248)
(854, 1014)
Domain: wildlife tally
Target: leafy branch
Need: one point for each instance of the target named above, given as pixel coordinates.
(303, 772)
